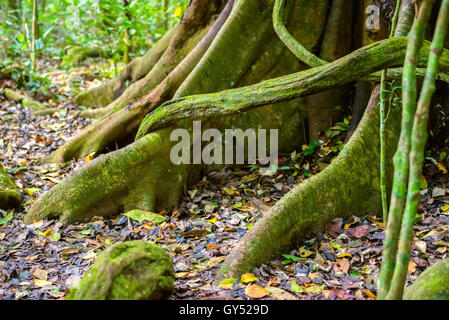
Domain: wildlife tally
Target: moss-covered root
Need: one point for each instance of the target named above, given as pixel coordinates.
(78, 54)
(432, 284)
(135, 177)
(349, 186)
(9, 194)
(196, 22)
(109, 91)
(24, 99)
(132, 270)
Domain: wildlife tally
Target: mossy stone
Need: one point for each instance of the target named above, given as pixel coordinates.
(132, 270)
(9, 194)
(432, 284)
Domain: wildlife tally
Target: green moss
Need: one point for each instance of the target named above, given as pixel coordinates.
(432, 284)
(9, 194)
(133, 270)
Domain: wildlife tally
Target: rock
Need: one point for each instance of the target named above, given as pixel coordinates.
(9, 194)
(132, 270)
(432, 284)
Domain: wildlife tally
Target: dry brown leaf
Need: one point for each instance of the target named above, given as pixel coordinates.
(255, 291)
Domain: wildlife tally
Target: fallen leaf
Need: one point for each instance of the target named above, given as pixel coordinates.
(421, 245)
(296, 287)
(216, 261)
(280, 294)
(369, 294)
(411, 267)
(40, 274)
(438, 192)
(212, 247)
(255, 291)
(248, 277)
(227, 283)
(314, 289)
(359, 232)
(42, 283)
(140, 215)
(304, 253)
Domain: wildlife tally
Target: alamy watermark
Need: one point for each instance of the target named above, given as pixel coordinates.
(221, 147)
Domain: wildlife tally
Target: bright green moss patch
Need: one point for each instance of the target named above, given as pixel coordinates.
(132, 270)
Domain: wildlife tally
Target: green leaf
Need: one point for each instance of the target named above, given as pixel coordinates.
(6, 218)
(140, 215)
(227, 283)
(293, 258)
(296, 287)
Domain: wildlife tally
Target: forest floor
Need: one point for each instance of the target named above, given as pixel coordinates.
(45, 259)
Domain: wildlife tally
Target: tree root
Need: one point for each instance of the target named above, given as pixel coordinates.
(78, 54)
(25, 100)
(349, 186)
(360, 63)
(9, 194)
(139, 176)
(104, 94)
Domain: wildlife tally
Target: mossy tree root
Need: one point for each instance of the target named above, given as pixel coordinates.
(104, 94)
(139, 176)
(349, 186)
(9, 194)
(360, 63)
(78, 54)
(25, 100)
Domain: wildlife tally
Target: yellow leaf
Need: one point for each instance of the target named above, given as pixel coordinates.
(89, 157)
(442, 168)
(31, 191)
(212, 220)
(229, 191)
(369, 294)
(227, 283)
(304, 253)
(248, 277)
(411, 267)
(42, 283)
(350, 224)
(255, 291)
(178, 11)
(445, 208)
(342, 255)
